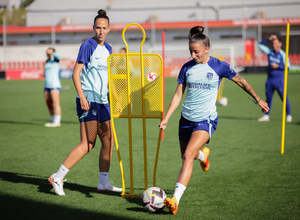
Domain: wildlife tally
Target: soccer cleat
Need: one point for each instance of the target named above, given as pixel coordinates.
(205, 163)
(57, 184)
(289, 118)
(52, 125)
(108, 187)
(264, 118)
(172, 205)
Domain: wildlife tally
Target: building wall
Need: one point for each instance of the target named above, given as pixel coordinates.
(47, 13)
(226, 41)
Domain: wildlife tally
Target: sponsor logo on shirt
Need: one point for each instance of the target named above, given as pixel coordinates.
(102, 68)
(209, 76)
(275, 59)
(204, 86)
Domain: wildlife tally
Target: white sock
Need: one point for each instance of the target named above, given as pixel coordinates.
(56, 119)
(62, 172)
(103, 177)
(201, 156)
(52, 118)
(179, 190)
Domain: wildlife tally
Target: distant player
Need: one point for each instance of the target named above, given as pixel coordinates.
(201, 78)
(52, 87)
(91, 82)
(275, 80)
(123, 50)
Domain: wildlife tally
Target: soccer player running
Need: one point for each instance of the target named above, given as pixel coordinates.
(200, 77)
(93, 108)
(52, 87)
(275, 80)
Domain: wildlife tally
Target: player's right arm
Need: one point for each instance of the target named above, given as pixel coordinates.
(56, 55)
(241, 82)
(77, 83)
(263, 47)
(173, 105)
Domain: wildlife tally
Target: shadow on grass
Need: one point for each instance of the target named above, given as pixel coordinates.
(141, 209)
(43, 184)
(17, 208)
(34, 122)
(237, 118)
(18, 122)
(253, 119)
(138, 201)
(34, 210)
(62, 121)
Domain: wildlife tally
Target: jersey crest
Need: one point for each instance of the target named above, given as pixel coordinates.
(209, 76)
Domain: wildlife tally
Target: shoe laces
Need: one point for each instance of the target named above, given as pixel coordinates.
(59, 180)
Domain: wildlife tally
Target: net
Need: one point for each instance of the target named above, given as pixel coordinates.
(137, 94)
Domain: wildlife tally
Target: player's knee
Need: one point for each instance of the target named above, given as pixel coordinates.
(188, 155)
(86, 147)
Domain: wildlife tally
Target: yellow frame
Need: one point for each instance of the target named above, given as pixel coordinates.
(130, 116)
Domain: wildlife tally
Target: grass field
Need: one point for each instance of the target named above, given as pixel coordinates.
(248, 177)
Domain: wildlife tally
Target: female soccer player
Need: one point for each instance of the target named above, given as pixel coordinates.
(52, 87)
(275, 80)
(200, 77)
(93, 109)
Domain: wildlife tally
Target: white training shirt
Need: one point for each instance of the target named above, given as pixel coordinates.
(94, 76)
(52, 72)
(202, 84)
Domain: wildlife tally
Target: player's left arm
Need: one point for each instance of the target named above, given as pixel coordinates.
(241, 82)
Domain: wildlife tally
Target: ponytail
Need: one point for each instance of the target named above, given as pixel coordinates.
(101, 14)
(196, 30)
(196, 34)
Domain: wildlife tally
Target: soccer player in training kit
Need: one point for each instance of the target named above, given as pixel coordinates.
(93, 108)
(52, 87)
(275, 80)
(201, 78)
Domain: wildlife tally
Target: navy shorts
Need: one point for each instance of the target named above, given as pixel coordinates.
(49, 89)
(97, 112)
(186, 128)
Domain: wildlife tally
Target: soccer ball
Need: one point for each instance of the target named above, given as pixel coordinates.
(223, 101)
(153, 199)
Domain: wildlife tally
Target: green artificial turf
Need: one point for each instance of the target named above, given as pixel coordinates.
(248, 178)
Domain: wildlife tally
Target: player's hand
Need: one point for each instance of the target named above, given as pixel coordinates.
(264, 106)
(272, 37)
(49, 51)
(85, 105)
(163, 124)
(274, 65)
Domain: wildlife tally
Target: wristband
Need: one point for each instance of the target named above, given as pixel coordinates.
(255, 102)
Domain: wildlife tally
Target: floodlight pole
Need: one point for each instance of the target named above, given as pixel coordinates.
(4, 41)
(53, 40)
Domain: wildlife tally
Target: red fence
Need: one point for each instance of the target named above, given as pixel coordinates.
(172, 64)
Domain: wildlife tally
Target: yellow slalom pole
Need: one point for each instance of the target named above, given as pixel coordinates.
(119, 155)
(156, 157)
(220, 92)
(285, 87)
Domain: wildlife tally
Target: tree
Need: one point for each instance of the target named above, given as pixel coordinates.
(16, 16)
(26, 3)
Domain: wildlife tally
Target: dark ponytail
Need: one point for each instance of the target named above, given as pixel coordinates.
(196, 30)
(196, 34)
(101, 14)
